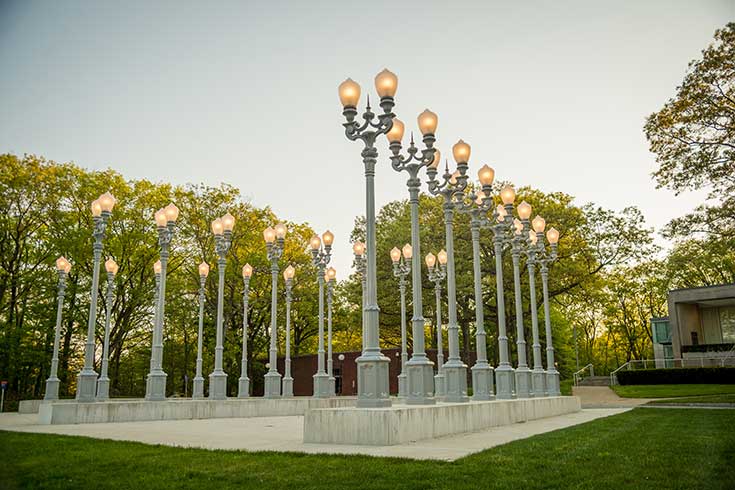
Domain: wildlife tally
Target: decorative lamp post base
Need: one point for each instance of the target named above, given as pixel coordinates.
(402, 385)
(218, 386)
(156, 386)
(538, 383)
(482, 382)
(523, 382)
(243, 387)
(372, 381)
(420, 381)
(552, 383)
(87, 386)
(197, 390)
(52, 389)
(321, 385)
(287, 387)
(455, 381)
(272, 387)
(103, 389)
(504, 380)
(439, 390)
(332, 386)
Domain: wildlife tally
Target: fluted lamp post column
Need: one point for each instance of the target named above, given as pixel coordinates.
(222, 230)
(401, 269)
(87, 378)
(453, 185)
(274, 238)
(156, 383)
(331, 281)
(359, 263)
(436, 275)
(243, 383)
(197, 391)
(103, 382)
(288, 275)
(320, 258)
(544, 259)
(523, 378)
(63, 267)
(372, 365)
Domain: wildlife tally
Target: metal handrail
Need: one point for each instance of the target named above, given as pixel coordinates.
(578, 375)
(671, 363)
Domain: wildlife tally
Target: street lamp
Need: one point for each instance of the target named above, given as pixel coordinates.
(452, 186)
(156, 383)
(320, 258)
(341, 358)
(372, 365)
(544, 259)
(63, 267)
(523, 377)
(87, 378)
(401, 269)
(331, 280)
(436, 275)
(103, 382)
(197, 390)
(359, 263)
(222, 230)
(274, 238)
(243, 383)
(418, 373)
(288, 275)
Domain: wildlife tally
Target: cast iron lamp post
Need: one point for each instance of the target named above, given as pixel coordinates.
(359, 263)
(331, 280)
(418, 372)
(320, 258)
(103, 382)
(87, 378)
(401, 269)
(288, 275)
(197, 390)
(156, 382)
(274, 238)
(222, 230)
(453, 185)
(523, 378)
(372, 365)
(63, 267)
(437, 275)
(243, 384)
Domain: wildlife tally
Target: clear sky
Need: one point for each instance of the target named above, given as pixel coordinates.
(550, 94)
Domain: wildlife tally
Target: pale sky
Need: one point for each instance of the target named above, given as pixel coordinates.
(551, 94)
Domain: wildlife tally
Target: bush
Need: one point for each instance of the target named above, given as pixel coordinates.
(716, 375)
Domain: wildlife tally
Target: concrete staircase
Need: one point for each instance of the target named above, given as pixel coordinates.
(595, 381)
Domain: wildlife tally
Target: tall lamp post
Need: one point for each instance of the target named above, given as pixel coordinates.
(331, 280)
(538, 375)
(197, 391)
(243, 384)
(372, 365)
(288, 275)
(63, 267)
(320, 258)
(455, 371)
(156, 384)
(401, 269)
(523, 378)
(103, 382)
(419, 370)
(87, 378)
(437, 275)
(544, 259)
(359, 263)
(222, 230)
(274, 238)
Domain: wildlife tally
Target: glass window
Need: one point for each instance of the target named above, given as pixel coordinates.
(727, 323)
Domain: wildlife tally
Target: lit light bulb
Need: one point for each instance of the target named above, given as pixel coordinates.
(157, 267)
(269, 234)
(172, 212)
(428, 122)
(508, 194)
(407, 251)
(524, 210)
(328, 238)
(538, 224)
(395, 254)
(358, 248)
(247, 270)
(228, 222)
(289, 272)
(217, 227)
(315, 242)
(160, 217)
(386, 83)
(111, 266)
(349, 93)
(486, 175)
(461, 152)
(96, 208)
(552, 235)
(430, 260)
(107, 201)
(437, 158)
(281, 230)
(395, 135)
(204, 269)
(442, 256)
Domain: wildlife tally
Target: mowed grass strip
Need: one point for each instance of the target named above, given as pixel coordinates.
(670, 391)
(643, 448)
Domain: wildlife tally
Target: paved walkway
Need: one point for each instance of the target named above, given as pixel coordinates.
(286, 434)
(604, 397)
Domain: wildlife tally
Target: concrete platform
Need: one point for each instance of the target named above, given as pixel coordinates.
(65, 412)
(404, 424)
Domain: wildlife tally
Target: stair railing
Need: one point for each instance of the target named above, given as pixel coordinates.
(579, 375)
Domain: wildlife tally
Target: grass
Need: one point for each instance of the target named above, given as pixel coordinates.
(565, 386)
(670, 391)
(728, 398)
(643, 448)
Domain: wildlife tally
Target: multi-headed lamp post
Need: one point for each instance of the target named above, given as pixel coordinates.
(419, 383)
(523, 378)
(198, 386)
(222, 230)
(103, 382)
(372, 365)
(156, 383)
(452, 185)
(87, 378)
(63, 267)
(401, 269)
(274, 238)
(359, 250)
(288, 275)
(436, 275)
(331, 281)
(320, 258)
(243, 383)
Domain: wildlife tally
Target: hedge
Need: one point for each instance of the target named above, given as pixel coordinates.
(711, 375)
(707, 348)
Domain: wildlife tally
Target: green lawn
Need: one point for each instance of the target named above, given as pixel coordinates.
(644, 448)
(669, 391)
(729, 398)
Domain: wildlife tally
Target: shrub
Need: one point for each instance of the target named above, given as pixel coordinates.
(715, 375)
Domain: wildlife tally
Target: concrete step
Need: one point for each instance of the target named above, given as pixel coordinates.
(595, 381)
